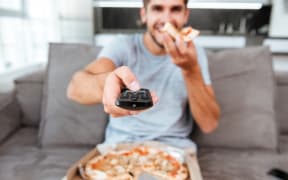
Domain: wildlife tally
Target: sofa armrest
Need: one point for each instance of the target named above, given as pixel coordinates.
(10, 115)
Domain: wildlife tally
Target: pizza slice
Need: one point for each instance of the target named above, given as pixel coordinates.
(187, 33)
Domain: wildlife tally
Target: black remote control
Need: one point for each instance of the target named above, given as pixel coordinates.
(134, 100)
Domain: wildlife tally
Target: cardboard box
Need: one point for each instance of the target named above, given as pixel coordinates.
(75, 172)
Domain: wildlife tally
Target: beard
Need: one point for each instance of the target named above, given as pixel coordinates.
(155, 40)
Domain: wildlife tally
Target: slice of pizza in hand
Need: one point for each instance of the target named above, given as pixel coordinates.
(187, 33)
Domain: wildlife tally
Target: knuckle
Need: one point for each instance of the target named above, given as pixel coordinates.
(124, 68)
(106, 110)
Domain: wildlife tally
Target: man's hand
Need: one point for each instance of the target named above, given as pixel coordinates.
(183, 53)
(202, 101)
(116, 80)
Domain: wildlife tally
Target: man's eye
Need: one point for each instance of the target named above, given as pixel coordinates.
(177, 9)
(157, 8)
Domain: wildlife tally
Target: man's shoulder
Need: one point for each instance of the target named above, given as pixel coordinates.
(127, 41)
(128, 38)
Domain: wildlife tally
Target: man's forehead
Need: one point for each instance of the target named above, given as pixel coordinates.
(167, 2)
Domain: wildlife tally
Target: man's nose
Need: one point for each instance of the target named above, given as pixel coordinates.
(167, 17)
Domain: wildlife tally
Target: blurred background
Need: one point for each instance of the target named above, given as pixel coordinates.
(28, 26)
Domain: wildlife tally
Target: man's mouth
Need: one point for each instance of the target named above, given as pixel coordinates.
(159, 27)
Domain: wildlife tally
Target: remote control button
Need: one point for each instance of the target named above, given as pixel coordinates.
(144, 96)
(124, 95)
(134, 96)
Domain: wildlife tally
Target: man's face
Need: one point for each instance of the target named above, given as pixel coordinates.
(158, 12)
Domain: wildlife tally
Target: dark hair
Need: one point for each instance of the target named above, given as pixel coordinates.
(145, 2)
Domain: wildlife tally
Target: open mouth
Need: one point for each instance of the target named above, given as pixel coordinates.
(159, 27)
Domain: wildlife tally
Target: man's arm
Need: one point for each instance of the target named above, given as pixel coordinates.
(101, 82)
(203, 104)
(86, 86)
(201, 97)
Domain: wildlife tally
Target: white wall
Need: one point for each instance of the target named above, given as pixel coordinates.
(279, 19)
(76, 21)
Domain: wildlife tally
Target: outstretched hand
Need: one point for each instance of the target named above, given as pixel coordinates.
(116, 80)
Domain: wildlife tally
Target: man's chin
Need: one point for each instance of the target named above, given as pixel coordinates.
(158, 40)
(159, 43)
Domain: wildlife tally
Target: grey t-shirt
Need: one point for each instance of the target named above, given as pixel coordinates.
(169, 120)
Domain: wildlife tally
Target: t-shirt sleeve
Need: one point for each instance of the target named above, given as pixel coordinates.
(115, 50)
(203, 62)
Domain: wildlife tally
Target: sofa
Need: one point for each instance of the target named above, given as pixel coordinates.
(43, 132)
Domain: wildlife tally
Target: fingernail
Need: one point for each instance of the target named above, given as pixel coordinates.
(134, 86)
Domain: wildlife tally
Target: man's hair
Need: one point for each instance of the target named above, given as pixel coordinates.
(145, 2)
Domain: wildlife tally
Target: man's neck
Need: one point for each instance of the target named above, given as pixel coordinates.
(152, 46)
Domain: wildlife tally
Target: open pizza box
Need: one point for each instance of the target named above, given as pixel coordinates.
(76, 171)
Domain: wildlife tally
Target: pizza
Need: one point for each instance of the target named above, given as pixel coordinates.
(187, 33)
(129, 164)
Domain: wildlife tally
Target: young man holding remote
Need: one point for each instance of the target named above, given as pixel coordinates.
(176, 72)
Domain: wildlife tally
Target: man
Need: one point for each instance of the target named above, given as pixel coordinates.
(176, 72)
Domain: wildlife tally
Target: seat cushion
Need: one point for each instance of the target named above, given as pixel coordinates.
(63, 121)
(244, 84)
(21, 159)
(227, 164)
(9, 115)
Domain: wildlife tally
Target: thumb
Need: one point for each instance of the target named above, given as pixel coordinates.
(128, 78)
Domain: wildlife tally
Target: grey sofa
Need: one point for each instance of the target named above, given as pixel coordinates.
(43, 133)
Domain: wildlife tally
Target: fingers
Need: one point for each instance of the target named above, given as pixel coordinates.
(122, 76)
(154, 97)
(177, 48)
(170, 45)
(115, 111)
(128, 78)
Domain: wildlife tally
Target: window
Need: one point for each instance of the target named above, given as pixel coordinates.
(26, 28)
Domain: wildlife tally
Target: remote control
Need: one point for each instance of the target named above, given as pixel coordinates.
(134, 100)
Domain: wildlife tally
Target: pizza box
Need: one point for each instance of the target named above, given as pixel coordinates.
(76, 171)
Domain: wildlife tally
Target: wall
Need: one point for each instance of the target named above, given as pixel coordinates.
(75, 20)
(279, 19)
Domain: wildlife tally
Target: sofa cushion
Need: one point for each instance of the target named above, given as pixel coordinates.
(9, 115)
(21, 159)
(65, 122)
(244, 85)
(227, 164)
(282, 101)
(29, 95)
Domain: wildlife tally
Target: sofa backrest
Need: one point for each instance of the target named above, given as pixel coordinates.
(29, 95)
(65, 122)
(244, 85)
(32, 113)
(282, 101)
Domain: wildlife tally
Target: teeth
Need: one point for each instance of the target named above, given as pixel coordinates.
(159, 27)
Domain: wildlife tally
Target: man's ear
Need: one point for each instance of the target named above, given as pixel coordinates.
(143, 15)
